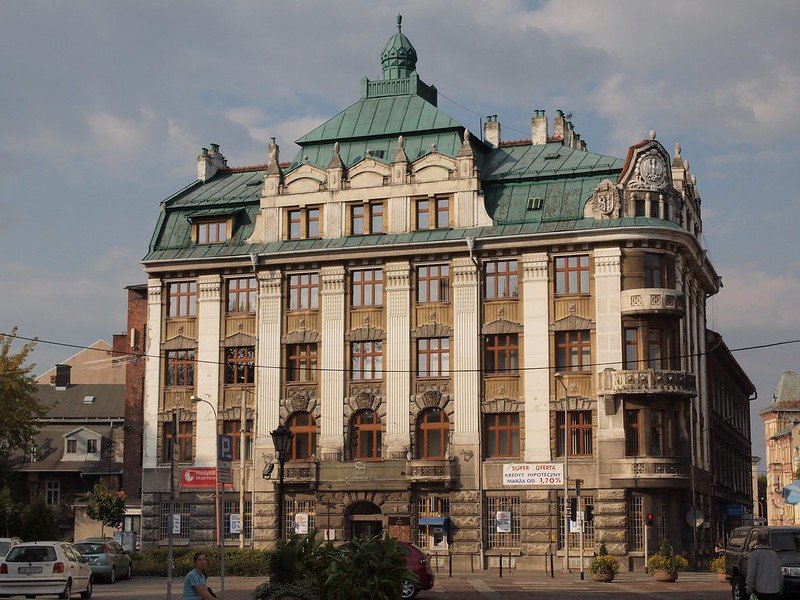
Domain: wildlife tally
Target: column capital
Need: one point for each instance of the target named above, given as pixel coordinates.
(208, 288)
(397, 276)
(332, 280)
(465, 273)
(269, 283)
(154, 291)
(607, 262)
(534, 266)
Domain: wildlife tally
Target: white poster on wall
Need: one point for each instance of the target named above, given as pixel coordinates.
(301, 523)
(236, 523)
(502, 519)
(176, 524)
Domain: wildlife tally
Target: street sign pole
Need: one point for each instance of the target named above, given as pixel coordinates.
(172, 448)
(224, 456)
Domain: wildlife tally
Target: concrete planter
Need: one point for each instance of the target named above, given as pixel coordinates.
(605, 576)
(665, 576)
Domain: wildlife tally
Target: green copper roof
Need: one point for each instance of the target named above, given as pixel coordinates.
(398, 58)
(547, 160)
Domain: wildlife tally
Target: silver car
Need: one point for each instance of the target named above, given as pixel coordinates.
(106, 558)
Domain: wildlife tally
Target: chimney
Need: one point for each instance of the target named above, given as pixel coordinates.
(208, 163)
(62, 376)
(560, 126)
(491, 131)
(538, 128)
(569, 135)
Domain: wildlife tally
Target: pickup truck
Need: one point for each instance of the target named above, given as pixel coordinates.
(784, 540)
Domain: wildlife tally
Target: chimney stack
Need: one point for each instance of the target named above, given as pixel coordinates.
(208, 163)
(491, 131)
(62, 376)
(539, 127)
(559, 126)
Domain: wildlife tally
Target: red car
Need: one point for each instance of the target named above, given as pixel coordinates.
(417, 562)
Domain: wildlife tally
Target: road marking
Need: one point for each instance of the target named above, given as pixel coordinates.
(486, 590)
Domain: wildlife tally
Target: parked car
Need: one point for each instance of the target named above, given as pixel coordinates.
(36, 568)
(6, 544)
(784, 540)
(106, 557)
(418, 563)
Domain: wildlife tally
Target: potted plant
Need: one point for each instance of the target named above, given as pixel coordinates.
(718, 567)
(666, 565)
(603, 566)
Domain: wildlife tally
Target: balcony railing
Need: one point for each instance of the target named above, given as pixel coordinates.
(430, 471)
(656, 467)
(647, 381)
(651, 300)
(306, 472)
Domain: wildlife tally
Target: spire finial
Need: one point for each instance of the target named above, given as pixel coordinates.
(399, 22)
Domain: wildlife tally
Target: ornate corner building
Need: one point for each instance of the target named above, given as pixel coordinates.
(422, 307)
(781, 417)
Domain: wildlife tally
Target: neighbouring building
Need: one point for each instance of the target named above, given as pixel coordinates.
(421, 306)
(781, 417)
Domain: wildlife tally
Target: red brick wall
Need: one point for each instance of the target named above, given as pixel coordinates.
(134, 390)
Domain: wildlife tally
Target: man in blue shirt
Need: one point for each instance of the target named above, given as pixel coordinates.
(194, 586)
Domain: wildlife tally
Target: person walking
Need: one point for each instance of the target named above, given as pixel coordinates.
(194, 586)
(764, 575)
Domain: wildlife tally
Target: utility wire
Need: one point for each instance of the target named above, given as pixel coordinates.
(478, 114)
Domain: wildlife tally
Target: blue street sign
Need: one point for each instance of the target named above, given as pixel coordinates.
(734, 509)
(225, 448)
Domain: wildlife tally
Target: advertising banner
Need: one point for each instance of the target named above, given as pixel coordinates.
(537, 474)
(301, 523)
(200, 478)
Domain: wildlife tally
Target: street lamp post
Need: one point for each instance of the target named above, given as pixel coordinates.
(559, 378)
(282, 440)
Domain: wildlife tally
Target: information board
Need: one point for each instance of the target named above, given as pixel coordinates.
(536, 474)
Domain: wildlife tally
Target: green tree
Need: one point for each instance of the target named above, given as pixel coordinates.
(39, 522)
(19, 404)
(10, 513)
(106, 506)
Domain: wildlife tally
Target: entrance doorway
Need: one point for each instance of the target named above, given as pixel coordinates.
(364, 519)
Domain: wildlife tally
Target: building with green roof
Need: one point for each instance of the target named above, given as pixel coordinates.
(424, 308)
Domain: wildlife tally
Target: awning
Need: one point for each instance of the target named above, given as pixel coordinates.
(791, 493)
(433, 521)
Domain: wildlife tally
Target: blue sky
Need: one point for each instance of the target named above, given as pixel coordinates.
(105, 105)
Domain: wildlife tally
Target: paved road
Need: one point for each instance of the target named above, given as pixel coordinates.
(478, 586)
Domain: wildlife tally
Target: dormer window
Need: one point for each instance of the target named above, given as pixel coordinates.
(72, 446)
(303, 223)
(366, 218)
(91, 446)
(433, 212)
(212, 232)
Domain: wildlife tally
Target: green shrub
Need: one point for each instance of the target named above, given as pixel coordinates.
(603, 562)
(243, 562)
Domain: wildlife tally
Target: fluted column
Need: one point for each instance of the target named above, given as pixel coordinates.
(332, 376)
(154, 367)
(207, 368)
(465, 355)
(537, 355)
(268, 356)
(702, 365)
(608, 331)
(397, 357)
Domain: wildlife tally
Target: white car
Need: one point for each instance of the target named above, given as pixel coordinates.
(6, 544)
(37, 568)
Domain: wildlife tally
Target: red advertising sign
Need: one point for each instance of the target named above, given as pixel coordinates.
(200, 478)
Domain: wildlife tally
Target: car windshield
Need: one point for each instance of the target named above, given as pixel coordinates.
(785, 541)
(91, 548)
(4, 547)
(31, 554)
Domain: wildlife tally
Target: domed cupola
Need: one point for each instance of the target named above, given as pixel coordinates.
(398, 59)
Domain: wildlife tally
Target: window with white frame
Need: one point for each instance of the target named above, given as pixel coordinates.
(52, 493)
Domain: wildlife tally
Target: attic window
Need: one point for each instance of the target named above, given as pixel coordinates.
(88, 399)
(535, 203)
(212, 231)
(551, 156)
(375, 153)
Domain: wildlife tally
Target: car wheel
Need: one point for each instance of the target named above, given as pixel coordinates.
(128, 572)
(112, 577)
(738, 589)
(67, 593)
(408, 590)
(88, 593)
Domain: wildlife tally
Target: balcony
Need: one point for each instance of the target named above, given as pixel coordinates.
(431, 471)
(647, 381)
(659, 301)
(656, 471)
(301, 472)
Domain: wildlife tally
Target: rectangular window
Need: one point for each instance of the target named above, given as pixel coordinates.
(433, 357)
(242, 295)
(631, 349)
(442, 213)
(579, 433)
(179, 368)
(366, 287)
(376, 217)
(295, 507)
(180, 519)
(573, 351)
(232, 507)
(572, 274)
(502, 539)
(502, 434)
(366, 360)
(303, 223)
(212, 232)
(574, 538)
(656, 349)
(182, 442)
(655, 271)
(301, 362)
(635, 522)
(52, 493)
(639, 208)
(658, 432)
(304, 291)
(312, 223)
(182, 299)
(501, 353)
(232, 428)
(72, 446)
(632, 436)
(423, 214)
(433, 283)
(502, 279)
(91, 446)
(295, 225)
(357, 219)
(240, 365)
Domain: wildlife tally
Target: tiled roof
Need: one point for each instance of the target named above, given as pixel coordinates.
(109, 401)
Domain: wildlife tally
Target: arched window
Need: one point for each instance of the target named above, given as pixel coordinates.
(304, 440)
(366, 435)
(432, 429)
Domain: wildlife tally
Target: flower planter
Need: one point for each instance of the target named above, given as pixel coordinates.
(605, 576)
(722, 578)
(665, 576)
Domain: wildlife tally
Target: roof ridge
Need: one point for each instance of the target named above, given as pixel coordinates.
(250, 168)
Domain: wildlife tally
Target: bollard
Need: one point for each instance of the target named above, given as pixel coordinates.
(471, 563)
(450, 564)
(500, 557)
(552, 575)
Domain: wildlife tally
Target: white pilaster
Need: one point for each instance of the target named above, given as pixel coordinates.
(608, 331)
(702, 373)
(397, 357)
(332, 375)
(207, 369)
(398, 211)
(268, 357)
(154, 367)
(537, 355)
(465, 358)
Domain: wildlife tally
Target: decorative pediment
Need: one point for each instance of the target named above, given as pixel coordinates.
(365, 333)
(301, 336)
(305, 178)
(368, 172)
(647, 167)
(179, 343)
(572, 323)
(432, 330)
(501, 326)
(239, 339)
(604, 203)
(433, 167)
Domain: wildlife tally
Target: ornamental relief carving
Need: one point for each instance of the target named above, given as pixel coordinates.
(501, 405)
(501, 326)
(604, 203)
(302, 336)
(179, 343)
(430, 330)
(572, 323)
(651, 172)
(300, 401)
(239, 339)
(365, 333)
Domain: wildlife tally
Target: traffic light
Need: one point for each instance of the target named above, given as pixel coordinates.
(573, 509)
(649, 519)
(588, 513)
